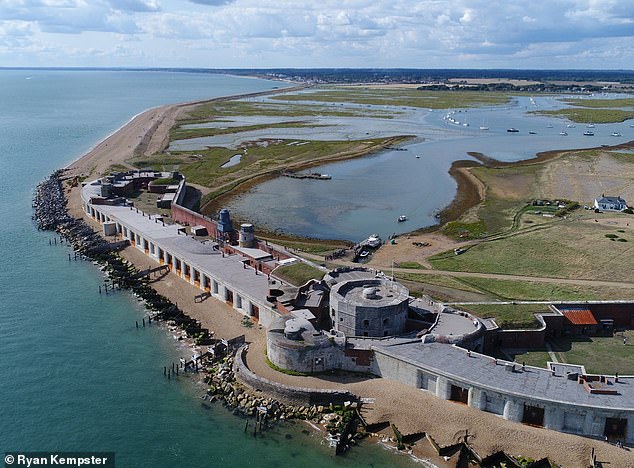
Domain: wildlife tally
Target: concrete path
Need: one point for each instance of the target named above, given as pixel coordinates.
(551, 353)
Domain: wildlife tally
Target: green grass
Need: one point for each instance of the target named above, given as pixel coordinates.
(117, 168)
(559, 250)
(298, 273)
(437, 280)
(401, 97)
(465, 230)
(204, 166)
(165, 181)
(411, 265)
(533, 357)
(312, 246)
(214, 110)
(601, 103)
(585, 115)
(517, 290)
(599, 355)
(179, 133)
(285, 371)
(508, 316)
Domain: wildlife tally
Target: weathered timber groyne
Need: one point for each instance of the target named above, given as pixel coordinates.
(51, 214)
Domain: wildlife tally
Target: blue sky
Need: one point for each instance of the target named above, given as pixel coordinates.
(326, 33)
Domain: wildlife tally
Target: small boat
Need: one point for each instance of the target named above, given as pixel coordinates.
(364, 253)
(512, 130)
(563, 133)
(549, 126)
(484, 127)
(588, 133)
(590, 125)
(616, 134)
(402, 219)
(373, 241)
(532, 132)
(418, 156)
(571, 125)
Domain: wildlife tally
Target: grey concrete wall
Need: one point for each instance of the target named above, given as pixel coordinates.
(558, 416)
(296, 395)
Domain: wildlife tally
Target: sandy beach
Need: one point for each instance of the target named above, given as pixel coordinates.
(412, 410)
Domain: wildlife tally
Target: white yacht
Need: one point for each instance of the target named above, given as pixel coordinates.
(402, 218)
(373, 241)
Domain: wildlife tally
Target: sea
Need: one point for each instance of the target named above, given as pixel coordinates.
(75, 372)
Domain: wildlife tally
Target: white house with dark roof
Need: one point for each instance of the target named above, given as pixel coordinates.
(610, 203)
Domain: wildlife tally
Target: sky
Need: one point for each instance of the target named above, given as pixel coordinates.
(539, 34)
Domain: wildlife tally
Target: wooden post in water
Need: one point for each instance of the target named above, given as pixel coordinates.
(144, 321)
(99, 289)
(246, 425)
(164, 370)
(137, 323)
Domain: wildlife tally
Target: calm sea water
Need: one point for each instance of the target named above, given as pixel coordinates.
(76, 373)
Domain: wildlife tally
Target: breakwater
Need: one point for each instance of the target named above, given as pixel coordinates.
(215, 368)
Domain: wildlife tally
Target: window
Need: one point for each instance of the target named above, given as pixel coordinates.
(365, 334)
(366, 323)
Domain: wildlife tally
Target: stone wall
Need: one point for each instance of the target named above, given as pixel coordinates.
(182, 215)
(285, 392)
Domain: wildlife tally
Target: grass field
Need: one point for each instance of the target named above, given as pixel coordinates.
(313, 246)
(566, 249)
(401, 97)
(179, 133)
(599, 355)
(216, 110)
(204, 166)
(590, 115)
(298, 273)
(533, 357)
(601, 103)
(438, 280)
(508, 316)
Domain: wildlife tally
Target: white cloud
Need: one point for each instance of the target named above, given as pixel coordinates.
(354, 33)
(134, 5)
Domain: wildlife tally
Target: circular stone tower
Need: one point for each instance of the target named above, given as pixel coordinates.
(369, 307)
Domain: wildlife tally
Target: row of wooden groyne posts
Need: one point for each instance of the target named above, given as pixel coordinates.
(51, 214)
(344, 423)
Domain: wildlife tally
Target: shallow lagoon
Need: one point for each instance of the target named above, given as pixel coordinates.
(367, 195)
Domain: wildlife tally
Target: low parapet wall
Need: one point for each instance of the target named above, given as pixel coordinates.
(300, 395)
